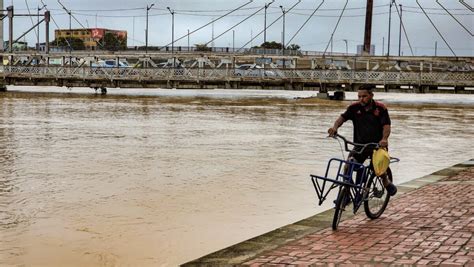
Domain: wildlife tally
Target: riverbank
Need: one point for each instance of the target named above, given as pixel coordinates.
(428, 222)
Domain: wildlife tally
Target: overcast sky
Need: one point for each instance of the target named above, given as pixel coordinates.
(191, 14)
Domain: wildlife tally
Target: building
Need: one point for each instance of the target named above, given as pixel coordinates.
(91, 37)
(17, 46)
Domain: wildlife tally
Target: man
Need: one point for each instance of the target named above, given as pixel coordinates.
(371, 125)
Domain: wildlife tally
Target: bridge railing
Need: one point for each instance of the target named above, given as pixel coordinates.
(284, 75)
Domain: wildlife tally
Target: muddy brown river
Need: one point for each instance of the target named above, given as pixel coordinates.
(161, 177)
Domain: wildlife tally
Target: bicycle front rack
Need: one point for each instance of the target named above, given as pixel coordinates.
(339, 178)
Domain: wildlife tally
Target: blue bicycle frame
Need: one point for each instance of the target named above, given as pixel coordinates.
(343, 177)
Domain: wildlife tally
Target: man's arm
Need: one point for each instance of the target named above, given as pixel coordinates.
(333, 130)
(385, 135)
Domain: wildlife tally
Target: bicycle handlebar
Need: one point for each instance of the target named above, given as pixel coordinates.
(362, 146)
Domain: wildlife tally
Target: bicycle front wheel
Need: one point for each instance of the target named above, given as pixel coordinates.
(340, 205)
(377, 197)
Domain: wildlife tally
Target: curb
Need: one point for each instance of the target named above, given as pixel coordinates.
(246, 250)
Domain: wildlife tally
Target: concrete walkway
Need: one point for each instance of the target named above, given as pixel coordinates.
(429, 222)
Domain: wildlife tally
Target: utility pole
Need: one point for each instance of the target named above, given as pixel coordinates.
(212, 44)
(400, 33)
(37, 36)
(47, 18)
(389, 26)
(146, 29)
(368, 27)
(188, 41)
(283, 33)
(1, 28)
(331, 43)
(10, 29)
(436, 48)
(383, 46)
(233, 41)
(172, 35)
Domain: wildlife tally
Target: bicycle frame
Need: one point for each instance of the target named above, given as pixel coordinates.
(344, 177)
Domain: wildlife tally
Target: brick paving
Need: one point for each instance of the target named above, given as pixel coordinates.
(432, 225)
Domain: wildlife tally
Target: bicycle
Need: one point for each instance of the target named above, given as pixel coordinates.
(368, 188)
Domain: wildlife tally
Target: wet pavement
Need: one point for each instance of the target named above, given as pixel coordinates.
(429, 222)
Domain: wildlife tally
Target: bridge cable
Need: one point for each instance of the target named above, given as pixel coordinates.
(207, 24)
(462, 25)
(253, 14)
(335, 28)
(277, 19)
(307, 20)
(466, 5)
(403, 27)
(57, 26)
(31, 18)
(442, 37)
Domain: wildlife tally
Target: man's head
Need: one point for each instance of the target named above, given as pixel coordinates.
(365, 94)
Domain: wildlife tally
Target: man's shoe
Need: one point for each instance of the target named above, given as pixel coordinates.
(391, 189)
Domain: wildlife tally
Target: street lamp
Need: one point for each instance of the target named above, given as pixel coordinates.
(389, 26)
(172, 34)
(345, 41)
(265, 22)
(37, 36)
(146, 30)
(283, 34)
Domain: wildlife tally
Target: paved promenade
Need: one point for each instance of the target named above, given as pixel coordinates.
(429, 222)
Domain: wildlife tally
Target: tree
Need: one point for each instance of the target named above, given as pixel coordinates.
(112, 42)
(202, 47)
(70, 42)
(270, 45)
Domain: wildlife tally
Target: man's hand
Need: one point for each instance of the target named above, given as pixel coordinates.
(332, 132)
(383, 143)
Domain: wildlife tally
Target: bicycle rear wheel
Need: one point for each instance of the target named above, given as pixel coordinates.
(377, 197)
(340, 205)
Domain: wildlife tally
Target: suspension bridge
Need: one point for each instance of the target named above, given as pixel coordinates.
(172, 67)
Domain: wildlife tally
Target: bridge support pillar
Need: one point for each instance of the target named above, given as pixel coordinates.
(355, 87)
(298, 86)
(458, 89)
(288, 86)
(228, 85)
(338, 95)
(3, 88)
(422, 89)
(323, 91)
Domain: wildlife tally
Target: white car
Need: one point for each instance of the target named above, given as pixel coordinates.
(253, 70)
(110, 63)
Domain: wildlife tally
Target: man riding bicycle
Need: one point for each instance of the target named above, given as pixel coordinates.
(371, 125)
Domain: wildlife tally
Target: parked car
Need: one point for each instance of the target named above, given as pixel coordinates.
(110, 63)
(253, 70)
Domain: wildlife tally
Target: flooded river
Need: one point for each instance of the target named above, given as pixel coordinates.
(161, 177)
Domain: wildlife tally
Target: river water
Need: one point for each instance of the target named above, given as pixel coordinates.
(161, 177)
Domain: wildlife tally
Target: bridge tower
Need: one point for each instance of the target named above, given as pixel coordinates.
(368, 27)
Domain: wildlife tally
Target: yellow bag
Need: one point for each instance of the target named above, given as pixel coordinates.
(380, 161)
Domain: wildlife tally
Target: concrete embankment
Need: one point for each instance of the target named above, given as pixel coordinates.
(429, 222)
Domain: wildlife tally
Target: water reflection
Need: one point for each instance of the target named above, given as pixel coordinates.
(136, 178)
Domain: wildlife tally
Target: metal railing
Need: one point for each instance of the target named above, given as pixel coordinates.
(283, 75)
